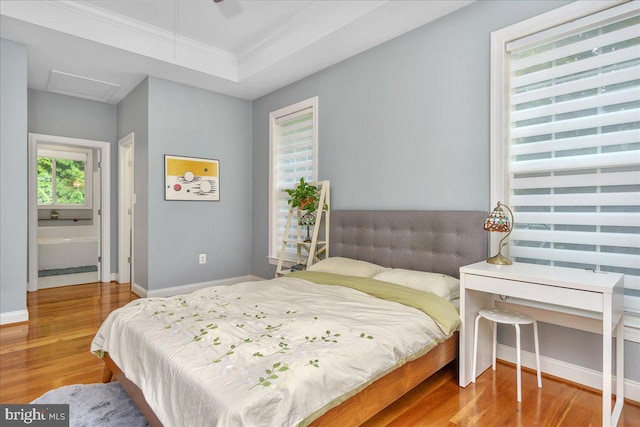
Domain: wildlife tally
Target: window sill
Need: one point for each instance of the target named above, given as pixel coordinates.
(63, 207)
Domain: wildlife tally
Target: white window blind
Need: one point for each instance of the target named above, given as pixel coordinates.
(293, 152)
(574, 146)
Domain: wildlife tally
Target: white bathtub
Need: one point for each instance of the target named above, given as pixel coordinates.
(67, 247)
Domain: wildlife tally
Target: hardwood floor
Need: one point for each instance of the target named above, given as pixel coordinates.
(53, 350)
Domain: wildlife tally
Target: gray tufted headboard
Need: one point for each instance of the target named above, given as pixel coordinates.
(437, 241)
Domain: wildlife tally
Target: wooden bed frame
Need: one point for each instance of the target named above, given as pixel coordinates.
(437, 241)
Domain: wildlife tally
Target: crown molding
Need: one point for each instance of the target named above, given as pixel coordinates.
(98, 25)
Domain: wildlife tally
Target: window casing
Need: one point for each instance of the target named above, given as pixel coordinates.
(64, 178)
(565, 139)
(293, 148)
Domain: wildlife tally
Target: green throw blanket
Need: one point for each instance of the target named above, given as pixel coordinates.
(439, 309)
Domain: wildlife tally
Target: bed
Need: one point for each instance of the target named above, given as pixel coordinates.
(254, 373)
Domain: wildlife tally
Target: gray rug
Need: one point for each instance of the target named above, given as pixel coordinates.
(93, 405)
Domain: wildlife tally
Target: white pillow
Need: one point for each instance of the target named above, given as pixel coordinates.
(442, 285)
(347, 267)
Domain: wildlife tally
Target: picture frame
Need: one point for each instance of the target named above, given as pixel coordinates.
(191, 178)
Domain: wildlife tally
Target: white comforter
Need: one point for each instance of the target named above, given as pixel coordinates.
(272, 353)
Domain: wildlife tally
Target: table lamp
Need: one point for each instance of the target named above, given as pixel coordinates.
(499, 221)
(307, 219)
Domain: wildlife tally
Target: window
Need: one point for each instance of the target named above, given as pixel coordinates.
(566, 139)
(293, 148)
(63, 177)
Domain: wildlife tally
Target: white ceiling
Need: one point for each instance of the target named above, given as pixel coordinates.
(101, 49)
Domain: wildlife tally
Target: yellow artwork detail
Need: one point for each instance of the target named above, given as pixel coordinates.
(178, 167)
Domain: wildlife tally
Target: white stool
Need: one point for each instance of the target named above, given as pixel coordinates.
(508, 317)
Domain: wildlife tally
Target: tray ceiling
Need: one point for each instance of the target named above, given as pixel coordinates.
(240, 48)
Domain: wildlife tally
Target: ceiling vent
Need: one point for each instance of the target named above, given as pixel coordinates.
(82, 87)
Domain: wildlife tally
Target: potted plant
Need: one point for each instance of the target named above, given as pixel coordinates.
(304, 196)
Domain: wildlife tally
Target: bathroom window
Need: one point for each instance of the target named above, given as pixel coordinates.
(63, 178)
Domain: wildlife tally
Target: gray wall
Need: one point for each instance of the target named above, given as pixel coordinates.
(13, 176)
(405, 125)
(133, 116)
(61, 115)
(192, 122)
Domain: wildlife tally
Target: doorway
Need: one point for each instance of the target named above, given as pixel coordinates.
(68, 230)
(126, 205)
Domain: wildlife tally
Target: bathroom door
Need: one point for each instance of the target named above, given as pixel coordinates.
(97, 203)
(126, 209)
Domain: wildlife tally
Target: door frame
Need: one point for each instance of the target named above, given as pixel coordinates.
(125, 236)
(105, 202)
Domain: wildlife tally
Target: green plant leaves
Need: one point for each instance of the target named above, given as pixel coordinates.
(304, 196)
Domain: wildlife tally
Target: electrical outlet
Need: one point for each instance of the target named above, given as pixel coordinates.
(202, 258)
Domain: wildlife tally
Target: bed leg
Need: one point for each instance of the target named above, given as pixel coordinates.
(106, 374)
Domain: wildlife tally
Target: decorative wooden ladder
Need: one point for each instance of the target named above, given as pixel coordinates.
(314, 249)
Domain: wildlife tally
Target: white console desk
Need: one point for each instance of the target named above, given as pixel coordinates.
(575, 298)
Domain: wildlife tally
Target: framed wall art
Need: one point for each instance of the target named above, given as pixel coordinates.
(191, 178)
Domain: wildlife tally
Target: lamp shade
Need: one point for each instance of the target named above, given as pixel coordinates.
(498, 220)
(307, 219)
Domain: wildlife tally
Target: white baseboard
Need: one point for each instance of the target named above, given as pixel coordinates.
(183, 289)
(138, 290)
(114, 277)
(14, 317)
(568, 371)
